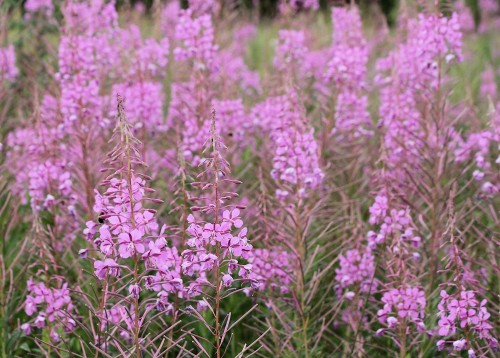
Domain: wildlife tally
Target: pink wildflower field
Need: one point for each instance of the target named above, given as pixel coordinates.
(249, 178)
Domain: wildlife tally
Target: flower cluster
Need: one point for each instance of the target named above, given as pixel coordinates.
(356, 269)
(125, 227)
(221, 242)
(204, 236)
(167, 263)
(465, 16)
(79, 81)
(406, 304)
(202, 7)
(126, 223)
(230, 70)
(352, 116)
(290, 50)
(414, 68)
(45, 176)
(271, 269)
(8, 69)
(295, 164)
(54, 309)
(347, 27)
(148, 58)
(346, 70)
(42, 6)
(234, 123)
(169, 16)
(196, 37)
(463, 311)
(145, 100)
(477, 145)
(48, 175)
(195, 130)
(95, 17)
(393, 222)
(264, 114)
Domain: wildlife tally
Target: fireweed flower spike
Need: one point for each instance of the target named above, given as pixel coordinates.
(217, 240)
(298, 177)
(410, 72)
(463, 318)
(356, 284)
(126, 236)
(404, 302)
(296, 167)
(346, 74)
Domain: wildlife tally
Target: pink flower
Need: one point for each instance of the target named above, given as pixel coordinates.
(227, 280)
(440, 345)
(108, 266)
(459, 345)
(134, 290)
(233, 217)
(130, 243)
(446, 327)
(30, 306)
(26, 328)
(392, 322)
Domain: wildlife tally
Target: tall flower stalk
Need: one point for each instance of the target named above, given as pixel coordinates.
(215, 247)
(128, 239)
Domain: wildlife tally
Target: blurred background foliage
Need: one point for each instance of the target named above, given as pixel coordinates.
(268, 8)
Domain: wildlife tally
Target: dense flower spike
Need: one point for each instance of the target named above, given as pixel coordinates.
(127, 226)
(295, 163)
(346, 71)
(217, 240)
(196, 36)
(414, 69)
